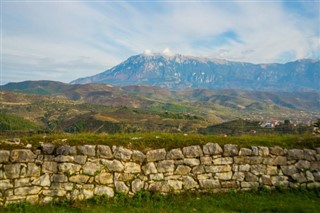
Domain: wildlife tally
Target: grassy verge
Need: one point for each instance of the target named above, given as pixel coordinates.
(145, 141)
(258, 201)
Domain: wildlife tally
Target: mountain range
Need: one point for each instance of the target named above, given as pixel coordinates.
(178, 72)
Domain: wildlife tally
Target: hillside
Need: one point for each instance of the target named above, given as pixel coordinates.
(182, 72)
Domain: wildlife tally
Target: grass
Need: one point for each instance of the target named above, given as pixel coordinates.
(146, 141)
(297, 200)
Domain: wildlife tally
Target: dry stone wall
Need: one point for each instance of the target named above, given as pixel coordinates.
(80, 172)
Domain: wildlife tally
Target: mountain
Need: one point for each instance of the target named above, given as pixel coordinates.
(182, 72)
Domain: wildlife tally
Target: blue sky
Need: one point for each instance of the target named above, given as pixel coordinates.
(65, 40)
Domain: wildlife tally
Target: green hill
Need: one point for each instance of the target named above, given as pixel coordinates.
(11, 122)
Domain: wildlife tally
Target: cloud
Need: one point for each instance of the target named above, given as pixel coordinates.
(66, 40)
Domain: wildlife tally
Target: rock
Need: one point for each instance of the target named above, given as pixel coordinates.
(104, 178)
(204, 176)
(206, 160)
(156, 155)
(250, 185)
(104, 190)
(4, 156)
(316, 176)
(121, 153)
(192, 151)
(175, 185)
(137, 185)
(131, 167)
(162, 187)
(91, 168)
(191, 161)
(277, 150)
(279, 181)
(12, 170)
(189, 183)
(289, 170)
(230, 150)
(43, 180)
(212, 149)
(79, 179)
(258, 169)
(278, 160)
(315, 185)
(104, 152)
(300, 178)
(48, 148)
(87, 193)
(80, 159)
(238, 176)
(59, 178)
(245, 152)
(216, 169)
(224, 175)
(113, 165)
(5, 184)
(309, 154)
(33, 199)
(182, 170)
(309, 176)
(64, 158)
(272, 170)
(229, 184)
(138, 156)
(223, 161)
(49, 167)
(315, 166)
(69, 168)
(165, 166)
(33, 170)
(29, 190)
(295, 154)
(263, 151)
(89, 150)
(249, 177)
(22, 155)
(244, 168)
(121, 187)
(149, 168)
(266, 180)
(209, 184)
(156, 177)
(255, 150)
(66, 150)
(22, 182)
(303, 165)
(198, 169)
(175, 154)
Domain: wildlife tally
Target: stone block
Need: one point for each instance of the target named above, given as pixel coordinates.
(149, 168)
(230, 150)
(175, 185)
(165, 166)
(209, 184)
(69, 168)
(156, 155)
(238, 176)
(277, 160)
(249, 177)
(79, 179)
(192, 151)
(191, 161)
(303, 165)
(250, 185)
(33, 170)
(161, 187)
(5, 184)
(66, 150)
(22, 156)
(121, 187)
(80, 159)
(309, 154)
(121, 153)
(224, 175)
(295, 154)
(212, 149)
(138, 156)
(299, 177)
(59, 178)
(91, 168)
(43, 180)
(48, 148)
(206, 160)
(277, 150)
(289, 170)
(29, 190)
(157, 176)
(175, 154)
(104, 151)
(88, 150)
(22, 182)
(189, 182)
(113, 165)
(49, 167)
(215, 169)
(137, 185)
(315, 166)
(4, 156)
(244, 168)
(104, 190)
(64, 158)
(222, 161)
(263, 151)
(12, 170)
(245, 152)
(182, 170)
(198, 169)
(131, 167)
(104, 178)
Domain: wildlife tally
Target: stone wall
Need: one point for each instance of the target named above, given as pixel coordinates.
(80, 172)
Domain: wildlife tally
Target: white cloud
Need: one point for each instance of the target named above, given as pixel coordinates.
(76, 39)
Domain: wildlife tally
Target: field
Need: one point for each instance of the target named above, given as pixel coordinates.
(298, 200)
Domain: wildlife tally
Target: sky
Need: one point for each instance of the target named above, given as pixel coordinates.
(64, 40)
